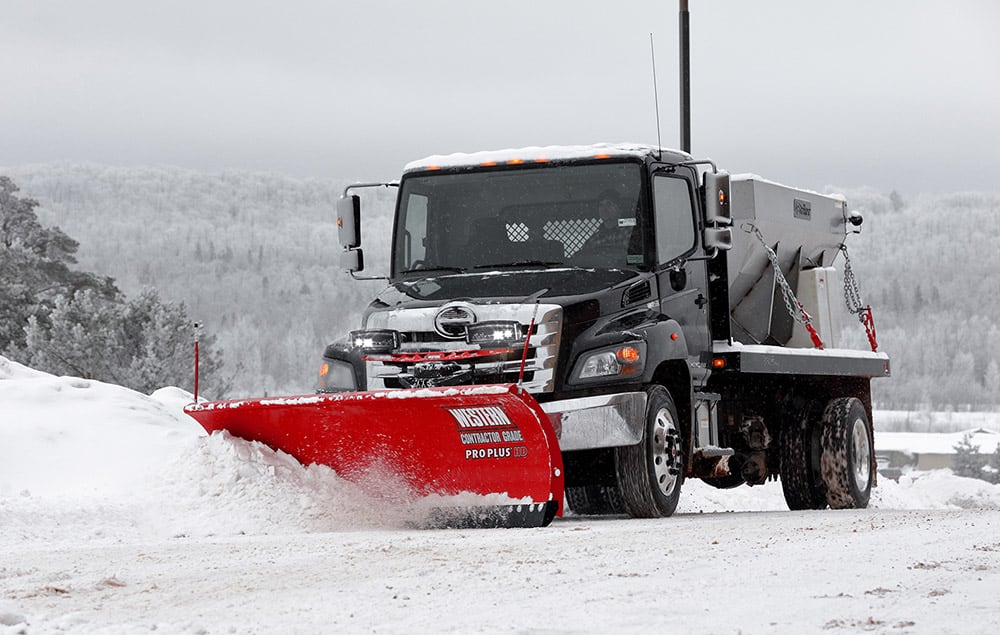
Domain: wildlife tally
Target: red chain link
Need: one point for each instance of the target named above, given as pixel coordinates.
(807, 322)
(869, 321)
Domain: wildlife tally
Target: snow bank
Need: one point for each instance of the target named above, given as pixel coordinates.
(70, 437)
(84, 459)
(12, 370)
(938, 489)
(225, 485)
(81, 458)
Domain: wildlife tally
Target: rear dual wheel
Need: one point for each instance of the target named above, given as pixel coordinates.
(846, 460)
(829, 463)
(798, 460)
(650, 473)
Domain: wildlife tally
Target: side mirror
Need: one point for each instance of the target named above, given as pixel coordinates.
(349, 222)
(352, 261)
(718, 238)
(717, 210)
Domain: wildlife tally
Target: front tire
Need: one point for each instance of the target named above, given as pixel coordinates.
(651, 472)
(846, 460)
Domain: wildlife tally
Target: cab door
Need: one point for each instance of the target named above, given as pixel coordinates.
(683, 283)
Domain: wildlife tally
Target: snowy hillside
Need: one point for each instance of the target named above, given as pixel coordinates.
(117, 514)
(253, 256)
(248, 254)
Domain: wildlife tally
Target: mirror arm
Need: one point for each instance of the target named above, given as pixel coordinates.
(358, 186)
(701, 162)
(357, 277)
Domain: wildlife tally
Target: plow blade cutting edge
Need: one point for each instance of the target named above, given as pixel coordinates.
(490, 452)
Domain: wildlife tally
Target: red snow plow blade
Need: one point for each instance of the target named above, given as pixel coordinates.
(489, 450)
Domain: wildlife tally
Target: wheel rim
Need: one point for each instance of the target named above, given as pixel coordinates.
(862, 453)
(665, 453)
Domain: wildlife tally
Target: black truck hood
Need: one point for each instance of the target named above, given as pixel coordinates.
(515, 284)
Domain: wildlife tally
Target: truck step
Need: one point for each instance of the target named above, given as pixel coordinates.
(714, 451)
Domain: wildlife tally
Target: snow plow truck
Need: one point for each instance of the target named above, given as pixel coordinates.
(589, 326)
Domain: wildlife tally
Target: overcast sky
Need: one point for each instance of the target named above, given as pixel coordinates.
(894, 94)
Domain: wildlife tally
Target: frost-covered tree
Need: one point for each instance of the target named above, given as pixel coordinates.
(35, 266)
(142, 343)
(968, 462)
(993, 473)
(65, 321)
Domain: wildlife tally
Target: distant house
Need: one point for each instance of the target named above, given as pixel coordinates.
(895, 451)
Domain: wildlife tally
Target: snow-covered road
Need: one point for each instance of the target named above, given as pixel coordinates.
(118, 516)
(751, 572)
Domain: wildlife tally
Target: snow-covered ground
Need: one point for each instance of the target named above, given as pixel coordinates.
(118, 515)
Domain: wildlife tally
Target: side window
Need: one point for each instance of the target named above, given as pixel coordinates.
(414, 237)
(675, 229)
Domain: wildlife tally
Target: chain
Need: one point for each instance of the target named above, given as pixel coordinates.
(786, 290)
(791, 302)
(852, 298)
(852, 292)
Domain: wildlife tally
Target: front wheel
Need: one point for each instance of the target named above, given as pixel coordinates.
(846, 459)
(651, 472)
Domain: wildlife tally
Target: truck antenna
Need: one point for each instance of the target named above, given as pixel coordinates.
(684, 18)
(656, 99)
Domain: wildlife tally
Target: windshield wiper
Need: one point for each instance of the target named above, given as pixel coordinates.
(434, 269)
(522, 263)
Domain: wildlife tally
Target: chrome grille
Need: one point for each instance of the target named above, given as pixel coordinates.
(419, 335)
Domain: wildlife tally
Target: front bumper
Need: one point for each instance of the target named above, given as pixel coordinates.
(602, 421)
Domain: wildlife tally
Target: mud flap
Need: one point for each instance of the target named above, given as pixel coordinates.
(480, 456)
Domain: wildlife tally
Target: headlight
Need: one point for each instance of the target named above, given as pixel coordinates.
(495, 333)
(624, 360)
(375, 340)
(336, 376)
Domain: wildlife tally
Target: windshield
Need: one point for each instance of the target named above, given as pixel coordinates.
(552, 215)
